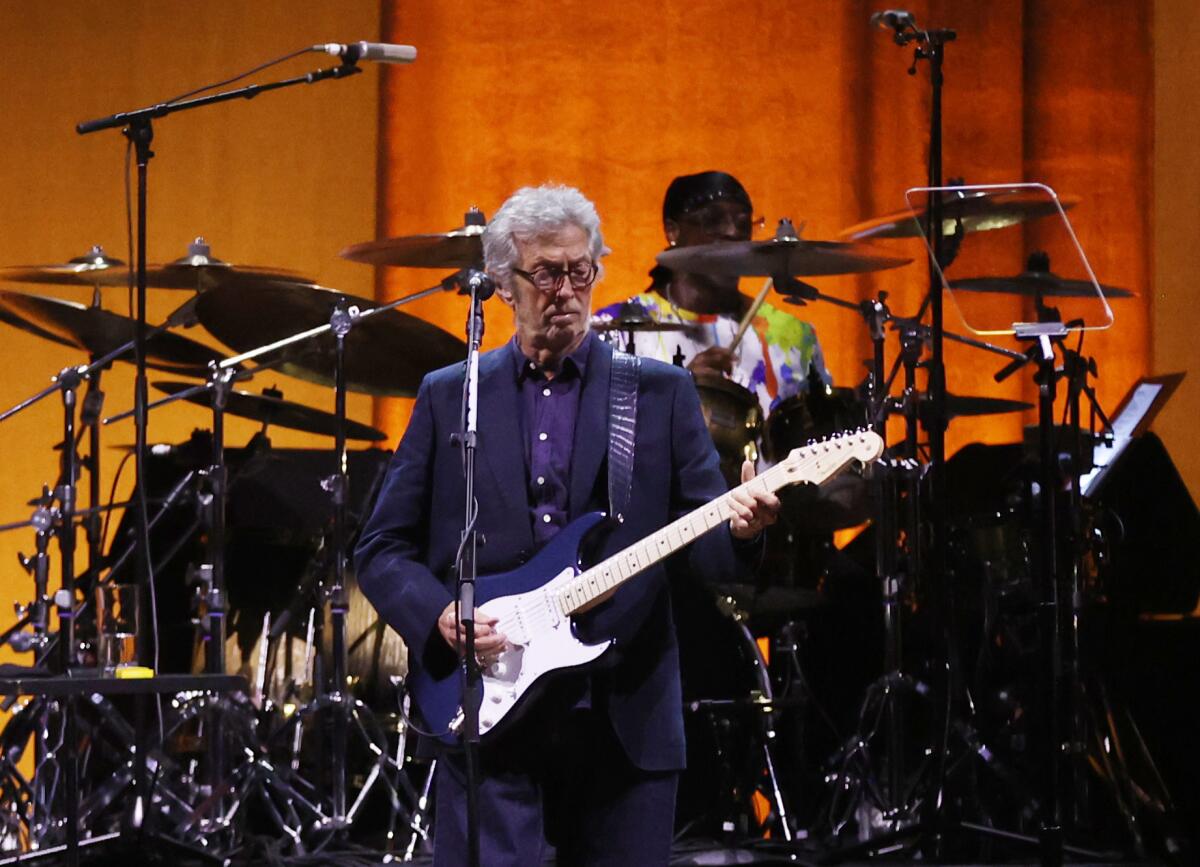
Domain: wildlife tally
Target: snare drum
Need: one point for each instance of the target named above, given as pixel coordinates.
(734, 420)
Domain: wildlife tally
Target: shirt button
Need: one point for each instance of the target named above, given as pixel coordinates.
(545, 519)
(545, 392)
(541, 480)
(542, 437)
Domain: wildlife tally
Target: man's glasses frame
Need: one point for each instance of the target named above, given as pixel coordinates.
(546, 279)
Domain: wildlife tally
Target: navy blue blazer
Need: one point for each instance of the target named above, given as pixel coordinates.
(406, 552)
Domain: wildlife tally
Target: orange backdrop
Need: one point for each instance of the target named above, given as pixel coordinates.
(805, 103)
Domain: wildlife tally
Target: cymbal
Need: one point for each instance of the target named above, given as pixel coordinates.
(786, 256)
(1042, 283)
(458, 248)
(197, 271)
(960, 404)
(976, 210)
(270, 408)
(386, 354)
(100, 331)
(632, 317)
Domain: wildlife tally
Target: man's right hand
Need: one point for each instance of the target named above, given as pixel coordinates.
(489, 642)
(714, 361)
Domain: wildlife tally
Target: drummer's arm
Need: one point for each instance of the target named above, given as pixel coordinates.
(714, 361)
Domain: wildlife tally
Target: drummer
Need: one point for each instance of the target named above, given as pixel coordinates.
(775, 357)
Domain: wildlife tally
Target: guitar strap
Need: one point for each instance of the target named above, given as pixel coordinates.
(622, 426)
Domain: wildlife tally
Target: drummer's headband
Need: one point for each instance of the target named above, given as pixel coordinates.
(688, 192)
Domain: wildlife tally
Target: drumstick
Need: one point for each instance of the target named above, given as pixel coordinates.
(749, 317)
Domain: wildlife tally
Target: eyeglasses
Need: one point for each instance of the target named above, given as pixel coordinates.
(715, 217)
(550, 279)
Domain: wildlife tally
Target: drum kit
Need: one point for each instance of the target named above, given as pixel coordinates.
(270, 601)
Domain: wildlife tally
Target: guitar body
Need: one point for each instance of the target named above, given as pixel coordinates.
(541, 639)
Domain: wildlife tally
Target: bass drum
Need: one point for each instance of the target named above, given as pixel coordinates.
(734, 419)
(722, 671)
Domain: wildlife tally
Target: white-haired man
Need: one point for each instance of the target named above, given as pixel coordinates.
(592, 766)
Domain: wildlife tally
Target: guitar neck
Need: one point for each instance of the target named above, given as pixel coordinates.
(609, 574)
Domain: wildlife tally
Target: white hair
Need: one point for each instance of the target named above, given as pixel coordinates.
(538, 212)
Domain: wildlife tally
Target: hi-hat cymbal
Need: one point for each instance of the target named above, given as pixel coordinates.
(270, 408)
(101, 331)
(776, 257)
(1032, 283)
(975, 210)
(197, 271)
(633, 317)
(458, 248)
(386, 354)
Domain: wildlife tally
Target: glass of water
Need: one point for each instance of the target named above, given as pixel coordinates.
(118, 615)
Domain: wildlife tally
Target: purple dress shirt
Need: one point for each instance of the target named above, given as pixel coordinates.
(549, 407)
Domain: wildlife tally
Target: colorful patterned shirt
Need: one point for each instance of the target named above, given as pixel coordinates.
(773, 359)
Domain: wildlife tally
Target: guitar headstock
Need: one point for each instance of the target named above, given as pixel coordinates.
(818, 461)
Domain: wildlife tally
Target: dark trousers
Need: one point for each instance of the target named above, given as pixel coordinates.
(567, 785)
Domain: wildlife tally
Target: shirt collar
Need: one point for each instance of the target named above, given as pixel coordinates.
(576, 362)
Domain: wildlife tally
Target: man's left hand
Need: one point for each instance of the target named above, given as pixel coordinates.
(752, 510)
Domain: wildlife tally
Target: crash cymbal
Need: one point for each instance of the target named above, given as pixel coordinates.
(1032, 283)
(271, 409)
(386, 354)
(975, 210)
(100, 331)
(197, 271)
(459, 248)
(783, 255)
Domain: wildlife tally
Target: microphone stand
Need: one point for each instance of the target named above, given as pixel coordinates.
(480, 288)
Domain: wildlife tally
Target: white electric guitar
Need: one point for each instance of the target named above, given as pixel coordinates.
(534, 604)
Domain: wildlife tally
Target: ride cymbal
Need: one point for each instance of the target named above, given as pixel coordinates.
(387, 354)
(100, 331)
(974, 210)
(271, 409)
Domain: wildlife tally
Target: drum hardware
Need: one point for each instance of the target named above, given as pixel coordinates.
(785, 255)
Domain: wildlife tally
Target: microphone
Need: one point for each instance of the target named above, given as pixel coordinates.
(895, 19)
(899, 20)
(383, 52)
(480, 283)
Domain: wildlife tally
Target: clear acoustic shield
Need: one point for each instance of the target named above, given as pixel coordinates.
(1011, 262)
